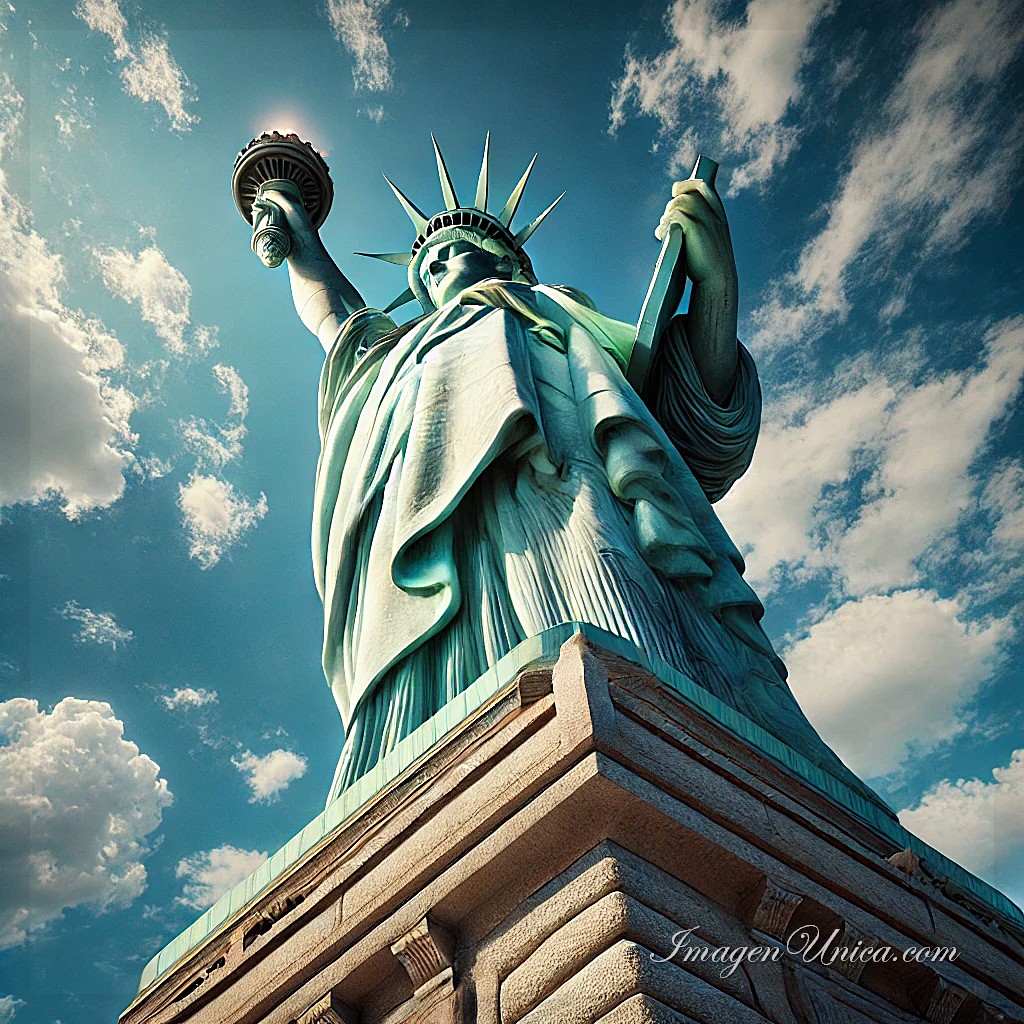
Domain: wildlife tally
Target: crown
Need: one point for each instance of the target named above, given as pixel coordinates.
(475, 218)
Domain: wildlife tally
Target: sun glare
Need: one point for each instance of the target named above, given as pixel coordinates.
(285, 121)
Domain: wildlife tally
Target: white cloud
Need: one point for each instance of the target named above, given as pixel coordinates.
(1003, 499)
(96, 627)
(215, 517)
(162, 293)
(212, 873)
(270, 774)
(777, 508)
(231, 384)
(9, 1008)
(77, 801)
(150, 74)
(105, 16)
(885, 677)
(923, 482)
(978, 824)
(356, 25)
(747, 71)
(216, 444)
(189, 697)
(914, 184)
(863, 478)
(64, 423)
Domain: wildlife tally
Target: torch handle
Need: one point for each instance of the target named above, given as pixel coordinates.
(270, 238)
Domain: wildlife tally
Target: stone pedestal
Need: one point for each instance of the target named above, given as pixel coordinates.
(536, 863)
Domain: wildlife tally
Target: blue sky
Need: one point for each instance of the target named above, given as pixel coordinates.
(164, 719)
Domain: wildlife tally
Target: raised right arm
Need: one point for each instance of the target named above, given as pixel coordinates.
(324, 298)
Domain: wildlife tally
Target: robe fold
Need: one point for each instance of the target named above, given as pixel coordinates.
(486, 472)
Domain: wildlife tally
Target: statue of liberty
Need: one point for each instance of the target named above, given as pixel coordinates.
(487, 471)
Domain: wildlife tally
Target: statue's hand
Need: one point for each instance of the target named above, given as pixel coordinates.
(305, 240)
(696, 208)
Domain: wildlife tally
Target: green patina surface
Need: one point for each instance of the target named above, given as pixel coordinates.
(538, 649)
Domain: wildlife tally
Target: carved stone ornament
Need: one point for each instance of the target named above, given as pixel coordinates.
(425, 951)
(328, 1010)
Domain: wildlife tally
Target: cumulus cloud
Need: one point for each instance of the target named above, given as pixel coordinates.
(747, 71)
(77, 801)
(216, 444)
(357, 26)
(151, 73)
(906, 190)
(862, 479)
(189, 697)
(99, 628)
(267, 776)
(65, 423)
(162, 293)
(978, 824)
(884, 677)
(211, 873)
(215, 516)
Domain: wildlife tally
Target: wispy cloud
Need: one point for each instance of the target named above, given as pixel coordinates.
(860, 478)
(357, 26)
(99, 628)
(216, 444)
(978, 824)
(215, 516)
(910, 663)
(77, 801)
(73, 114)
(211, 873)
(151, 73)
(188, 697)
(66, 424)
(917, 183)
(153, 76)
(267, 776)
(162, 293)
(744, 71)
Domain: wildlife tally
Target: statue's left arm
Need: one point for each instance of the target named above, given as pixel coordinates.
(703, 386)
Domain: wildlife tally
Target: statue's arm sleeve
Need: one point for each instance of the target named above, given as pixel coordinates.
(353, 338)
(716, 440)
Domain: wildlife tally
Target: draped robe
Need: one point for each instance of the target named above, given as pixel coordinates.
(486, 472)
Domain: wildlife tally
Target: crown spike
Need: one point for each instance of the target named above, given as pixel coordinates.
(506, 215)
(402, 259)
(451, 200)
(481, 184)
(401, 300)
(419, 220)
(522, 236)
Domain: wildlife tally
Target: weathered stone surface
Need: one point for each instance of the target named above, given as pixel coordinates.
(644, 1010)
(626, 970)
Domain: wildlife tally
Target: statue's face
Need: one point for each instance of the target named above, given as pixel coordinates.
(450, 267)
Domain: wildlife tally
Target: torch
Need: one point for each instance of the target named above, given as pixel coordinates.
(281, 163)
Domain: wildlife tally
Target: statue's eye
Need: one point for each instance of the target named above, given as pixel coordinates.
(436, 268)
